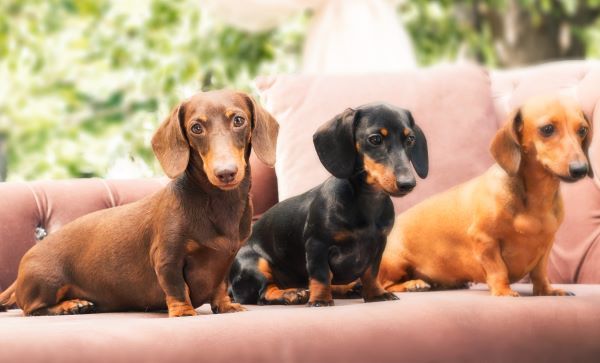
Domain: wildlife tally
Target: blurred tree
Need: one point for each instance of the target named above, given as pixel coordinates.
(85, 82)
(503, 33)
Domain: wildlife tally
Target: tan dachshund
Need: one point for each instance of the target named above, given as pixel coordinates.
(173, 249)
(498, 227)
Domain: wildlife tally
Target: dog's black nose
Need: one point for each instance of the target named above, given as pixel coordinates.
(578, 169)
(227, 174)
(405, 186)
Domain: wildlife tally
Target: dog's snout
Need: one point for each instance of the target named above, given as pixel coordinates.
(578, 169)
(226, 174)
(405, 185)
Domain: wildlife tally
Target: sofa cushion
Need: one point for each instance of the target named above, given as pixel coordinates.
(443, 326)
(575, 256)
(452, 104)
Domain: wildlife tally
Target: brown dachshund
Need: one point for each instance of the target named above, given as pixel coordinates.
(172, 249)
(498, 227)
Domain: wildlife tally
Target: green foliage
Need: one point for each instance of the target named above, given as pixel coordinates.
(444, 29)
(85, 82)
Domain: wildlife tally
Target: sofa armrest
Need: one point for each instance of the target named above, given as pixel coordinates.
(47, 205)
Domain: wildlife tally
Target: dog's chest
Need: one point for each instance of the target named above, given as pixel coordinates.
(219, 229)
(534, 224)
(353, 251)
(205, 268)
(527, 241)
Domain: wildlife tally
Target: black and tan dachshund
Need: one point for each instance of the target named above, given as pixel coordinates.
(336, 232)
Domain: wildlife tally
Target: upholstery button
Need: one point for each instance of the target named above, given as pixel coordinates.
(40, 233)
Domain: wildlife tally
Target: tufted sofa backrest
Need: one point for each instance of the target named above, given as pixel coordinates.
(30, 210)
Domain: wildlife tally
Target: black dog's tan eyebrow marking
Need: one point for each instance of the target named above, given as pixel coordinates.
(406, 131)
(384, 131)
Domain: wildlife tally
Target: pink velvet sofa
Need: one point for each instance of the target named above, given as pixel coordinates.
(459, 107)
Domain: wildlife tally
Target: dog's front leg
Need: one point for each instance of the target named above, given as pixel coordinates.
(169, 271)
(319, 274)
(487, 250)
(539, 277)
(221, 302)
(372, 289)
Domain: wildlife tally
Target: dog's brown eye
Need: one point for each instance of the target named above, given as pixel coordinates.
(547, 130)
(410, 141)
(197, 129)
(238, 121)
(582, 132)
(375, 139)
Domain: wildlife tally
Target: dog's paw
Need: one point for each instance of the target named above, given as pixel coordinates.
(291, 296)
(553, 292)
(387, 296)
(228, 308)
(320, 303)
(179, 310)
(505, 292)
(417, 286)
(76, 306)
(296, 296)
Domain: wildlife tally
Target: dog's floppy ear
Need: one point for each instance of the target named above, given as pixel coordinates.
(419, 156)
(264, 133)
(586, 145)
(170, 145)
(505, 147)
(334, 142)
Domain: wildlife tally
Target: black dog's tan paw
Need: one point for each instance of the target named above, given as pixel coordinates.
(320, 303)
(387, 296)
(296, 296)
(276, 296)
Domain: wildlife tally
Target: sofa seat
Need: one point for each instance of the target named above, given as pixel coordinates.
(440, 326)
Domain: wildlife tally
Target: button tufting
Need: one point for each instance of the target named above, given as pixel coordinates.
(40, 233)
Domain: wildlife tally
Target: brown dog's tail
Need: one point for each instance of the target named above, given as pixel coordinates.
(8, 297)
